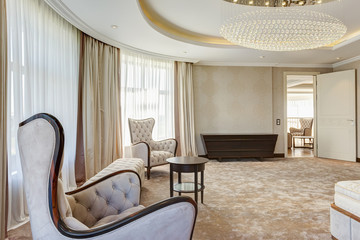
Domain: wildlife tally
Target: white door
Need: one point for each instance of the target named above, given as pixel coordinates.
(336, 115)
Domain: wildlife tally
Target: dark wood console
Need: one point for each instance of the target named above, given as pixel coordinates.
(239, 146)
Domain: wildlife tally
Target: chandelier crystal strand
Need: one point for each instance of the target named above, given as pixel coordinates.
(279, 3)
(282, 29)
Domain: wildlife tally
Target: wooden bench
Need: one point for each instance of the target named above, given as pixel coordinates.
(239, 145)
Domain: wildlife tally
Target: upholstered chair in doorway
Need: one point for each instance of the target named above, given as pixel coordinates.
(105, 209)
(154, 153)
(305, 127)
(304, 130)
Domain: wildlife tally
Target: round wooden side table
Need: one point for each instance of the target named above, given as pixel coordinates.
(187, 165)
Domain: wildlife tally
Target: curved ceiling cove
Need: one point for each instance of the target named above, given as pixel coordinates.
(171, 30)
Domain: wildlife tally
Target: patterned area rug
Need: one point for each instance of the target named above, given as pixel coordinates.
(252, 199)
(269, 199)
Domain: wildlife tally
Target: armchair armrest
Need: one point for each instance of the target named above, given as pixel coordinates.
(168, 145)
(296, 130)
(107, 196)
(141, 150)
(173, 218)
(307, 132)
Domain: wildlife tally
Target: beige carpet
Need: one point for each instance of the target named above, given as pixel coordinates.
(269, 199)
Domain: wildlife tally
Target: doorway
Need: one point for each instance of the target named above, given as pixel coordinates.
(300, 114)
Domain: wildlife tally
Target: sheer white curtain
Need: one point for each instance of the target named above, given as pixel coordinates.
(147, 90)
(3, 117)
(43, 77)
(300, 105)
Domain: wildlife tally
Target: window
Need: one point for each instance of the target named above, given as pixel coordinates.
(147, 90)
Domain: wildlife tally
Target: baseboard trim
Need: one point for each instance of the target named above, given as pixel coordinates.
(279, 155)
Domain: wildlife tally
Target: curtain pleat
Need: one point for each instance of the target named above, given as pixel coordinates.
(3, 118)
(80, 173)
(185, 106)
(100, 104)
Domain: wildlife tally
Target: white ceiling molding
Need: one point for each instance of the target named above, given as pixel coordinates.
(257, 64)
(347, 61)
(59, 7)
(346, 42)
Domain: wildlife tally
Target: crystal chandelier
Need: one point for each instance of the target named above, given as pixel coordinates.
(278, 3)
(282, 29)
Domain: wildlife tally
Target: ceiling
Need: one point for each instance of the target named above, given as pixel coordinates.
(188, 30)
(298, 84)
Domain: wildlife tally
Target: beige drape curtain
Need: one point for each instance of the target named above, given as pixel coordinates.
(100, 65)
(3, 116)
(184, 111)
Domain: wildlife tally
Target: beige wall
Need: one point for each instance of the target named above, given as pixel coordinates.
(354, 65)
(232, 100)
(241, 100)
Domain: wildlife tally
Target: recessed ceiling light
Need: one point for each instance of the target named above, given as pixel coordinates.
(338, 58)
(262, 57)
(114, 26)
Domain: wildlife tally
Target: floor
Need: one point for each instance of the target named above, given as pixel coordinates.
(252, 199)
(299, 151)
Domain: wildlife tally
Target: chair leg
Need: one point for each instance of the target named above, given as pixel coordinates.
(148, 173)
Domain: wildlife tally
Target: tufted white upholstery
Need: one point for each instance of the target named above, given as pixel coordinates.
(107, 208)
(100, 205)
(111, 197)
(152, 152)
(134, 164)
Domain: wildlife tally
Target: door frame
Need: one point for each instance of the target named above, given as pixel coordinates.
(285, 74)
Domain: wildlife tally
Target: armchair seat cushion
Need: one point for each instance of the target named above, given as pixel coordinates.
(159, 157)
(122, 215)
(347, 196)
(297, 134)
(74, 224)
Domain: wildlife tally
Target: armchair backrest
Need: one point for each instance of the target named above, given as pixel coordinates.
(306, 125)
(141, 130)
(41, 143)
